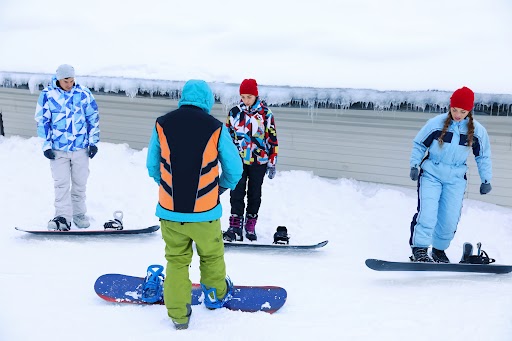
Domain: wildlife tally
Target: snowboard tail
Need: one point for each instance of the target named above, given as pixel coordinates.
(382, 265)
(128, 289)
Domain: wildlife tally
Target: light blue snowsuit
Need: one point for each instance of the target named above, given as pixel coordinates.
(442, 181)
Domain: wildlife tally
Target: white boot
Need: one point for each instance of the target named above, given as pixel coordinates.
(81, 221)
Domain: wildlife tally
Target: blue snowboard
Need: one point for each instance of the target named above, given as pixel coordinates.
(128, 289)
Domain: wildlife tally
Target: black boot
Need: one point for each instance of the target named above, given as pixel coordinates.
(234, 232)
(420, 254)
(439, 256)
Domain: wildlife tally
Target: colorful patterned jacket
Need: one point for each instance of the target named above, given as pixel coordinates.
(67, 120)
(254, 132)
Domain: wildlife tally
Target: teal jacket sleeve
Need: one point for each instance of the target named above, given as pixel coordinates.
(153, 158)
(230, 161)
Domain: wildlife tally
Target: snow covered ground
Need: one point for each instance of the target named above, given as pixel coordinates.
(46, 283)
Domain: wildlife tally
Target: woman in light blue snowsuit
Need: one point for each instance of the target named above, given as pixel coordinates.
(448, 138)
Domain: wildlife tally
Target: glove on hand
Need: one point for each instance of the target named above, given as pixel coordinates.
(485, 188)
(49, 154)
(222, 190)
(271, 172)
(414, 174)
(92, 150)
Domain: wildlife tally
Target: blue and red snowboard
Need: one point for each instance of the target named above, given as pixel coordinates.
(128, 289)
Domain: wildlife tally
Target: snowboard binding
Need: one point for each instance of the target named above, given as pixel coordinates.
(211, 301)
(116, 223)
(481, 256)
(153, 287)
(281, 236)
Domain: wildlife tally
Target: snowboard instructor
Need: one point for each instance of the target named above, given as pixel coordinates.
(184, 153)
(447, 140)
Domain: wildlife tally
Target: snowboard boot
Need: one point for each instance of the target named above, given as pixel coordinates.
(420, 254)
(211, 301)
(153, 287)
(81, 221)
(439, 256)
(467, 252)
(281, 235)
(59, 224)
(250, 226)
(179, 325)
(234, 232)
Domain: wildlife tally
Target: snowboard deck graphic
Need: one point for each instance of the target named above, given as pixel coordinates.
(90, 232)
(382, 265)
(128, 289)
(250, 245)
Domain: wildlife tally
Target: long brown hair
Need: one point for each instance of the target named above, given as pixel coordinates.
(471, 127)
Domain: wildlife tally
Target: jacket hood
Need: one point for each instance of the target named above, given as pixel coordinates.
(53, 84)
(197, 93)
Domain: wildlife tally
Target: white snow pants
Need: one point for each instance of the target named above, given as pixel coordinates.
(70, 171)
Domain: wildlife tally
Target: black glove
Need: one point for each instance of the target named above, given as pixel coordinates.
(271, 172)
(49, 154)
(485, 188)
(222, 190)
(92, 150)
(414, 174)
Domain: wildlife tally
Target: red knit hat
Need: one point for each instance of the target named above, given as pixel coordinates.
(463, 98)
(249, 87)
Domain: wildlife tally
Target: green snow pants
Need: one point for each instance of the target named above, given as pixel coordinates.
(178, 239)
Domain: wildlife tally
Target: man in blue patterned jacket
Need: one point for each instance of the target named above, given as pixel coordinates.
(68, 121)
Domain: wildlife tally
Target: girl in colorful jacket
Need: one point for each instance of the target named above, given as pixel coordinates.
(447, 140)
(252, 128)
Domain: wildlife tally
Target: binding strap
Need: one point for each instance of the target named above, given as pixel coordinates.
(483, 258)
(116, 223)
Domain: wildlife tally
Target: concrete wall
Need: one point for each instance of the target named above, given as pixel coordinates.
(365, 145)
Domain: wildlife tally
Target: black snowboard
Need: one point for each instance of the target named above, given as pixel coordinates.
(89, 232)
(255, 245)
(382, 265)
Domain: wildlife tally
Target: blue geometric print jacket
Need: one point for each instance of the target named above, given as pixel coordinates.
(67, 120)
(253, 131)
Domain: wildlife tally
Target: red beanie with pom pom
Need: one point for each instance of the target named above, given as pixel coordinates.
(463, 98)
(249, 87)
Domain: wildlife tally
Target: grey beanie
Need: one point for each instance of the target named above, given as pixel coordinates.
(65, 71)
